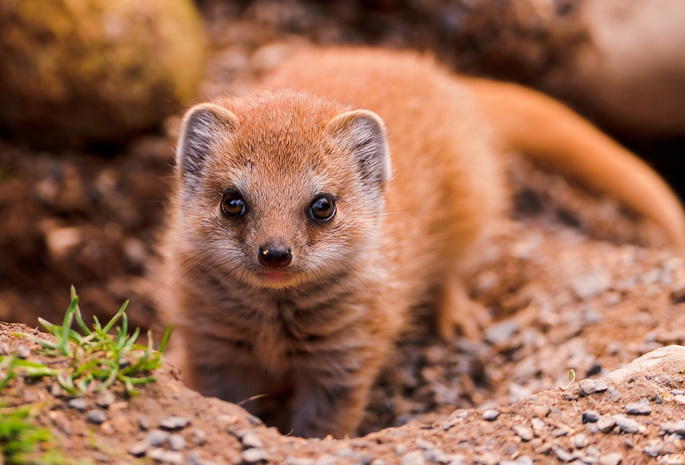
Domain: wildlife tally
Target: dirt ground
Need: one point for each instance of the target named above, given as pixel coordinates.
(572, 282)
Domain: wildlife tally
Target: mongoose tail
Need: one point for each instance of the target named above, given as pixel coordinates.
(546, 130)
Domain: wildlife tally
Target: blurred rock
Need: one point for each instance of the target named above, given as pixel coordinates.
(74, 72)
(629, 74)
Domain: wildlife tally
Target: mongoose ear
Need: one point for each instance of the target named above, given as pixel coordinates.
(363, 133)
(203, 126)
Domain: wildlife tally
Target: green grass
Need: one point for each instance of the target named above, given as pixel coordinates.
(88, 361)
(96, 358)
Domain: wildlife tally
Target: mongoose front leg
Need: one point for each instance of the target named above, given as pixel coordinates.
(456, 312)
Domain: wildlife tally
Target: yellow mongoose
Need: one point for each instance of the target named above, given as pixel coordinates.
(306, 223)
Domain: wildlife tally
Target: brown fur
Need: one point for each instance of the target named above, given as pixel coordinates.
(312, 338)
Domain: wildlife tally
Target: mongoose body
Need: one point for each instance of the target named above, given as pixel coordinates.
(309, 219)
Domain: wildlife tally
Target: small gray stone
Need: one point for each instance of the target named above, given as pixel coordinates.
(580, 441)
(177, 442)
(591, 284)
(674, 428)
(174, 423)
(653, 449)
(23, 352)
(198, 437)
(96, 416)
(592, 386)
(502, 332)
(524, 432)
(4, 348)
(590, 416)
(606, 424)
(538, 425)
(413, 458)
(614, 394)
(144, 422)
(559, 432)
(641, 407)
(254, 455)
(627, 425)
(522, 460)
(400, 449)
(139, 449)
(611, 459)
(251, 440)
(105, 398)
(490, 415)
(344, 452)
(165, 456)
(157, 438)
(562, 454)
(78, 403)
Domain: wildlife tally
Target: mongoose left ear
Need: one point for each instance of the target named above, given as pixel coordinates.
(204, 126)
(362, 132)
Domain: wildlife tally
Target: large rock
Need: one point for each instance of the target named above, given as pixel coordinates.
(78, 71)
(630, 73)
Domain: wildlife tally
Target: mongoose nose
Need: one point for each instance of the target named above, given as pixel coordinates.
(275, 255)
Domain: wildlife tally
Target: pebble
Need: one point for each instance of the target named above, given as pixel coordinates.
(677, 428)
(139, 448)
(611, 459)
(78, 403)
(165, 456)
(641, 407)
(413, 458)
(157, 438)
(580, 441)
(96, 416)
(105, 398)
(627, 425)
(253, 455)
(177, 442)
(522, 460)
(524, 432)
(591, 284)
(174, 423)
(653, 449)
(679, 399)
(590, 416)
(614, 394)
(251, 440)
(606, 424)
(4, 348)
(198, 437)
(23, 352)
(538, 425)
(562, 454)
(592, 386)
(502, 332)
(490, 415)
(400, 449)
(144, 422)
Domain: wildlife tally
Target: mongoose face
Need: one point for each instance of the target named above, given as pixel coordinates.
(282, 200)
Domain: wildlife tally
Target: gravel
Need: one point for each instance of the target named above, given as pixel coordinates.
(96, 416)
(174, 423)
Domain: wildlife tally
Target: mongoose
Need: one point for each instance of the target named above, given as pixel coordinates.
(310, 217)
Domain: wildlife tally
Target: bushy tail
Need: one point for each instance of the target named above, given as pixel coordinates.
(546, 130)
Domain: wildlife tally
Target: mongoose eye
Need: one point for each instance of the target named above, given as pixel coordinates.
(322, 208)
(232, 203)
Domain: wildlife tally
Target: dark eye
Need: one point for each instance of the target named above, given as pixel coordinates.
(322, 208)
(232, 204)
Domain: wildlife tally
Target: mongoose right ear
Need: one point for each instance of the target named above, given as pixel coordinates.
(362, 132)
(203, 126)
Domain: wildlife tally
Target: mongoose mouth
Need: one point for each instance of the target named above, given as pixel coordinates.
(275, 277)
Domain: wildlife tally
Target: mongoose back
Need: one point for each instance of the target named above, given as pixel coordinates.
(309, 218)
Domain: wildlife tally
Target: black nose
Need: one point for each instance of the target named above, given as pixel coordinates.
(275, 255)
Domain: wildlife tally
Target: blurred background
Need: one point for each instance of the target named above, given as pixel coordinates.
(92, 91)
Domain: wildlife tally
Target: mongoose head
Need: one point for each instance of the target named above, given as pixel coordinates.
(281, 189)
